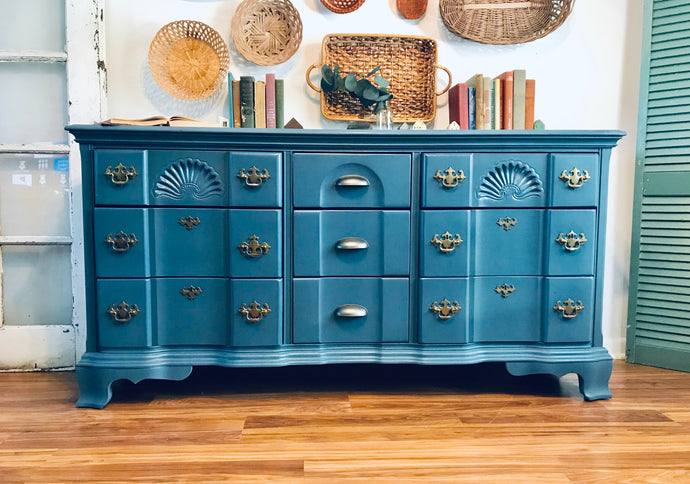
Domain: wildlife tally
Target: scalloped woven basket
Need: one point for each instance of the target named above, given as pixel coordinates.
(188, 59)
(409, 63)
(266, 32)
(342, 6)
(504, 21)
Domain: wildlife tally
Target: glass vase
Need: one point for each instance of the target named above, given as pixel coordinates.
(383, 119)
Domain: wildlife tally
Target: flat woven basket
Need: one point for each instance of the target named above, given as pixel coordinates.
(409, 63)
(188, 59)
(266, 32)
(342, 6)
(504, 21)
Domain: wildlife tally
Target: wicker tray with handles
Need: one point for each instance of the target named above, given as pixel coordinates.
(409, 63)
(504, 21)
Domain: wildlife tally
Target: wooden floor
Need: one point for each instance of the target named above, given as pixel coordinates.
(360, 424)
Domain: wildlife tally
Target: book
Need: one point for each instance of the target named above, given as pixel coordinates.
(270, 100)
(236, 108)
(471, 108)
(247, 101)
(477, 83)
(507, 101)
(176, 120)
(280, 103)
(231, 114)
(458, 109)
(519, 84)
(498, 104)
(530, 86)
(486, 103)
(260, 104)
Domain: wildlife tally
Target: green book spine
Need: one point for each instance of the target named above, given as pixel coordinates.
(280, 103)
(231, 114)
(519, 85)
(247, 101)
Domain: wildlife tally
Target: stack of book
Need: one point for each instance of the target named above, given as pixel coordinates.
(504, 102)
(256, 103)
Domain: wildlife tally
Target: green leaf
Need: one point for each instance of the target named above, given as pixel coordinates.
(362, 84)
(335, 70)
(384, 97)
(326, 87)
(381, 81)
(374, 71)
(351, 82)
(339, 83)
(327, 74)
(370, 93)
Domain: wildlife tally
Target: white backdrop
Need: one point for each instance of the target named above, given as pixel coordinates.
(587, 77)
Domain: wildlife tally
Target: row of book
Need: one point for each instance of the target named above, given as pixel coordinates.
(502, 102)
(256, 103)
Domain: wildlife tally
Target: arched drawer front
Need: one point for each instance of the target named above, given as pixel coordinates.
(356, 180)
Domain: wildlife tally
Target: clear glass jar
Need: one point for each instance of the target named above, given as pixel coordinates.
(383, 119)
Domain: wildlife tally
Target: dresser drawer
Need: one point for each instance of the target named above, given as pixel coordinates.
(124, 313)
(120, 177)
(256, 312)
(571, 242)
(256, 243)
(507, 309)
(351, 243)
(351, 180)
(161, 242)
(445, 243)
(575, 180)
(569, 309)
(350, 310)
(446, 180)
(445, 306)
(256, 179)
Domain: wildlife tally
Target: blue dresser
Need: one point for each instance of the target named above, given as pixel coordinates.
(260, 247)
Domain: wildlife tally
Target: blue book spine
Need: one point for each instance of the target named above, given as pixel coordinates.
(472, 107)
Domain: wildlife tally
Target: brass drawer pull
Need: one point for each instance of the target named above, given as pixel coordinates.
(505, 289)
(352, 181)
(123, 312)
(189, 222)
(253, 177)
(569, 310)
(351, 311)
(506, 223)
(121, 242)
(574, 178)
(449, 177)
(445, 310)
(447, 242)
(121, 174)
(352, 243)
(191, 292)
(255, 312)
(254, 248)
(570, 241)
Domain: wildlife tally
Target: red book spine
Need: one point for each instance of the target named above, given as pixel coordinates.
(507, 92)
(530, 86)
(458, 108)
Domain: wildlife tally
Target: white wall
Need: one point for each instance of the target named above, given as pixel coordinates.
(587, 75)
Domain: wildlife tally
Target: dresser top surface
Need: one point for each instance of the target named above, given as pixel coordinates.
(340, 140)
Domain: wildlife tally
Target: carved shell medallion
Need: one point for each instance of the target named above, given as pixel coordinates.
(189, 177)
(510, 178)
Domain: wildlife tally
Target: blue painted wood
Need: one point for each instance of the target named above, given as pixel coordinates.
(342, 243)
(441, 326)
(317, 319)
(128, 183)
(247, 331)
(384, 180)
(122, 242)
(562, 192)
(266, 225)
(439, 226)
(442, 182)
(253, 192)
(571, 259)
(522, 329)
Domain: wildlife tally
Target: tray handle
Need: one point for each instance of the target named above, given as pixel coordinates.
(311, 68)
(450, 80)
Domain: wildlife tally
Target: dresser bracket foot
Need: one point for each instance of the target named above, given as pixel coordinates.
(593, 376)
(95, 383)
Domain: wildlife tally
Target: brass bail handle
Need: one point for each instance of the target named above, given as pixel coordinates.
(121, 242)
(123, 312)
(120, 175)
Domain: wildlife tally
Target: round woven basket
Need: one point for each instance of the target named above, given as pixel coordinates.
(266, 32)
(504, 21)
(188, 59)
(342, 6)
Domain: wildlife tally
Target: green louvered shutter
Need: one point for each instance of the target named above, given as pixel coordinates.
(659, 309)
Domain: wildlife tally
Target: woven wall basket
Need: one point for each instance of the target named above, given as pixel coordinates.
(409, 63)
(188, 59)
(342, 6)
(266, 32)
(504, 21)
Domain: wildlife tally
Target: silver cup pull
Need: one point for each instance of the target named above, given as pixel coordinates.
(351, 311)
(352, 181)
(352, 243)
